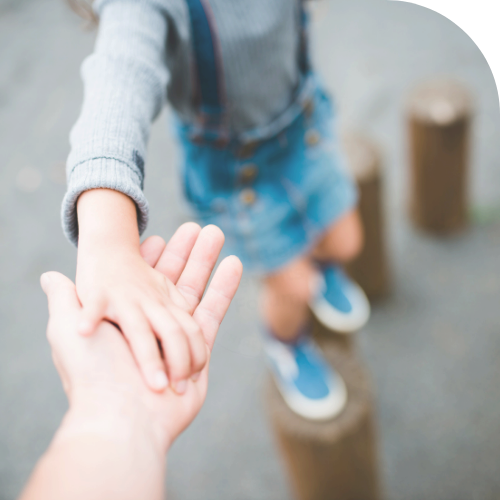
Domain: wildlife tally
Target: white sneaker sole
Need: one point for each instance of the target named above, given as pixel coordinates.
(339, 321)
(321, 409)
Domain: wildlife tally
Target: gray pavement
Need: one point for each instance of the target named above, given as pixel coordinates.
(432, 346)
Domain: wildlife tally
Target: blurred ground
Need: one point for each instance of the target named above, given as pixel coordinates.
(432, 347)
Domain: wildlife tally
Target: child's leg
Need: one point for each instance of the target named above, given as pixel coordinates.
(287, 293)
(342, 241)
(308, 384)
(341, 305)
(285, 297)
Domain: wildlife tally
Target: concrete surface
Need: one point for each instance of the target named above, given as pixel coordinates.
(432, 347)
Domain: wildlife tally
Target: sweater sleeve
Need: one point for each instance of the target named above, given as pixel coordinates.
(125, 82)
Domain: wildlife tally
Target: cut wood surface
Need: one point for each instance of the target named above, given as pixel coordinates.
(370, 269)
(344, 344)
(439, 121)
(336, 459)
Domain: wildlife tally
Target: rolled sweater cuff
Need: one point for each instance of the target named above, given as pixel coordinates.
(108, 173)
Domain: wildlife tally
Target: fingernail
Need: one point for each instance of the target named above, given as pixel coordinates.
(180, 387)
(159, 380)
(196, 376)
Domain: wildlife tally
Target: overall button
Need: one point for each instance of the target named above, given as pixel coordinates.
(248, 173)
(248, 196)
(247, 150)
(309, 108)
(312, 137)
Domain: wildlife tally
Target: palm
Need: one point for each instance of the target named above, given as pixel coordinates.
(187, 261)
(168, 412)
(163, 406)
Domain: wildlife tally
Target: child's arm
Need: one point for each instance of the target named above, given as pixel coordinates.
(125, 83)
(112, 442)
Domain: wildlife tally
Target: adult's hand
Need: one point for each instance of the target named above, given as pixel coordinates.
(109, 401)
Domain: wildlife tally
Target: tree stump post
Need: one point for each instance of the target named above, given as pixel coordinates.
(370, 269)
(439, 118)
(336, 459)
(344, 344)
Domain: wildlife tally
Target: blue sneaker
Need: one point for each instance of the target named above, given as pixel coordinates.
(340, 303)
(308, 384)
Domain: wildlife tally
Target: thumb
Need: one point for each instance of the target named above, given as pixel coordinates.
(61, 293)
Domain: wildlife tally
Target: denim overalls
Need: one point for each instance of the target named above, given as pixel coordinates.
(273, 190)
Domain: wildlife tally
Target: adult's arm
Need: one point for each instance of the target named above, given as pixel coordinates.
(112, 443)
(106, 447)
(103, 450)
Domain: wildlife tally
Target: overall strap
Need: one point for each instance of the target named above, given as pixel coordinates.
(304, 59)
(209, 90)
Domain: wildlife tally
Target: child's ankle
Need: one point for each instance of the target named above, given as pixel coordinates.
(291, 338)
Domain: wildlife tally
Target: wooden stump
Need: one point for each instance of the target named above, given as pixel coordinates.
(344, 344)
(439, 116)
(370, 269)
(334, 460)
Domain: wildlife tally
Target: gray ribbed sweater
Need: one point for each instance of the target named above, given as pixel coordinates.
(143, 57)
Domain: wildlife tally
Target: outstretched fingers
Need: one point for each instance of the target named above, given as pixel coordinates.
(188, 260)
(175, 255)
(221, 291)
(199, 267)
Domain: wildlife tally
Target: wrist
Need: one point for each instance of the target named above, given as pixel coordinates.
(94, 250)
(107, 220)
(115, 413)
(87, 459)
(124, 425)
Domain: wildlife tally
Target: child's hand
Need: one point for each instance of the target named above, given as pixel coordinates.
(119, 285)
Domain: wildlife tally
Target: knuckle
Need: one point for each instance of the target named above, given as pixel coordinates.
(180, 366)
(200, 360)
(198, 341)
(174, 330)
(191, 328)
(179, 373)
